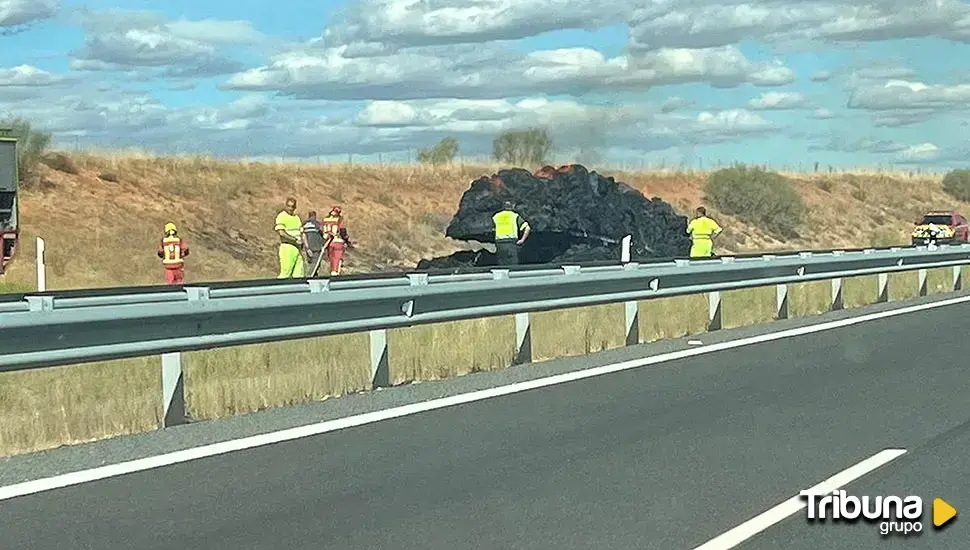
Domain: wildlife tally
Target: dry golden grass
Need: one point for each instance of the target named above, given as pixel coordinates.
(397, 214)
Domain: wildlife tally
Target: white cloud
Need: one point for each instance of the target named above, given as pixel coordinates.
(702, 23)
(823, 114)
(923, 151)
(27, 75)
(133, 40)
(901, 94)
(482, 72)
(779, 101)
(383, 25)
(14, 13)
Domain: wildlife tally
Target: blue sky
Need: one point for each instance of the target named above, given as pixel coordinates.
(785, 83)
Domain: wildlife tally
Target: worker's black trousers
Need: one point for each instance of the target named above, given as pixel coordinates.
(507, 252)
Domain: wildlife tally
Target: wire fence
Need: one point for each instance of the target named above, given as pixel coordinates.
(649, 162)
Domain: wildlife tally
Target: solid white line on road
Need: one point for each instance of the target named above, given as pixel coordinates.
(176, 457)
(791, 506)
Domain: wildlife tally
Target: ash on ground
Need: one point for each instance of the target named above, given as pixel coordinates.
(575, 215)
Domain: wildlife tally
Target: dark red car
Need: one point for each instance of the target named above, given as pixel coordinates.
(951, 227)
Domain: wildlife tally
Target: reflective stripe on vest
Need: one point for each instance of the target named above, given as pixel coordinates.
(331, 229)
(171, 251)
(505, 225)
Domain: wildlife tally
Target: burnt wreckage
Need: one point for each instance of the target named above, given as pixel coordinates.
(575, 215)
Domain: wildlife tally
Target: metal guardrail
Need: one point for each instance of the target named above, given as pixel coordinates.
(50, 328)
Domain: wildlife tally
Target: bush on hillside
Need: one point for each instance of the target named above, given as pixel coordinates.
(756, 196)
(957, 184)
(523, 147)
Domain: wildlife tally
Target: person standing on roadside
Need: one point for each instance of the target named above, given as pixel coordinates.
(508, 224)
(289, 228)
(702, 231)
(312, 243)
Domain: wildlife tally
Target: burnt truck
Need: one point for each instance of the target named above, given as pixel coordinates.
(9, 208)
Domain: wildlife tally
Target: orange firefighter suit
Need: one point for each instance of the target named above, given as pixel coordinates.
(335, 239)
(172, 250)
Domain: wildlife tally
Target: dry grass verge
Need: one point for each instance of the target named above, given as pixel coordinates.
(65, 405)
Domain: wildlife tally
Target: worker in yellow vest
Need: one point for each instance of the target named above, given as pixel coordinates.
(508, 224)
(702, 231)
(289, 228)
(173, 250)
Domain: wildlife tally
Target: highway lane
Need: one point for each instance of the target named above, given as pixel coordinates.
(662, 457)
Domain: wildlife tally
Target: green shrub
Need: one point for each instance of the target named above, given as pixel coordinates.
(957, 184)
(443, 153)
(765, 199)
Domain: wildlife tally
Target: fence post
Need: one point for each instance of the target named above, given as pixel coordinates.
(957, 278)
(883, 295)
(380, 372)
(625, 254)
(632, 322)
(781, 301)
(41, 268)
(173, 390)
(714, 310)
(922, 282)
(837, 299)
(523, 339)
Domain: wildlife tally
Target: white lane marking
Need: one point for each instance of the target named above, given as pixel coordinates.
(791, 506)
(213, 449)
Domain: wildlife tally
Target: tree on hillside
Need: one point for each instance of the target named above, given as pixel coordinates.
(444, 152)
(31, 144)
(522, 147)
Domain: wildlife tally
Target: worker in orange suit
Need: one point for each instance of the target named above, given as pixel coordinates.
(172, 250)
(336, 239)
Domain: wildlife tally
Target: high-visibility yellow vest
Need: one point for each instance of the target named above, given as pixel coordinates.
(290, 223)
(506, 225)
(172, 253)
(702, 228)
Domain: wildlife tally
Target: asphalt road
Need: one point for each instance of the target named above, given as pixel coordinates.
(664, 457)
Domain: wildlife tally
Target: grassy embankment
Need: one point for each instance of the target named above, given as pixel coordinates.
(397, 214)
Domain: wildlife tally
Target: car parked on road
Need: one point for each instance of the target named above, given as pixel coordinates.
(943, 227)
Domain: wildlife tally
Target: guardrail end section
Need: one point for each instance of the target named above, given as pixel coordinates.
(173, 390)
(379, 367)
(523, 339)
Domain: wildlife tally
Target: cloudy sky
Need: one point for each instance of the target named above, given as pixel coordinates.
(701, 81)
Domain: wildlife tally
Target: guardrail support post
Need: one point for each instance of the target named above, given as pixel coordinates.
(173, 390)
(883, 288)
(957, 278)
(632, 323)
(380, 373)
(781, 301)
(837, 300)
(922, 282)
(714, 310)
(523, 339)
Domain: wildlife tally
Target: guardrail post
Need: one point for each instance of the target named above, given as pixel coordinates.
(380, 373)
(957, 278)
(922, 282)
(714, 310)
(41, 266)
(173, 390)
(837, 300)
(781, 301)
(632, 323)
(883, 295)
(523, 339)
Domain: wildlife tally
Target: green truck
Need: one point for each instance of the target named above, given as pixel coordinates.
(9, 208)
